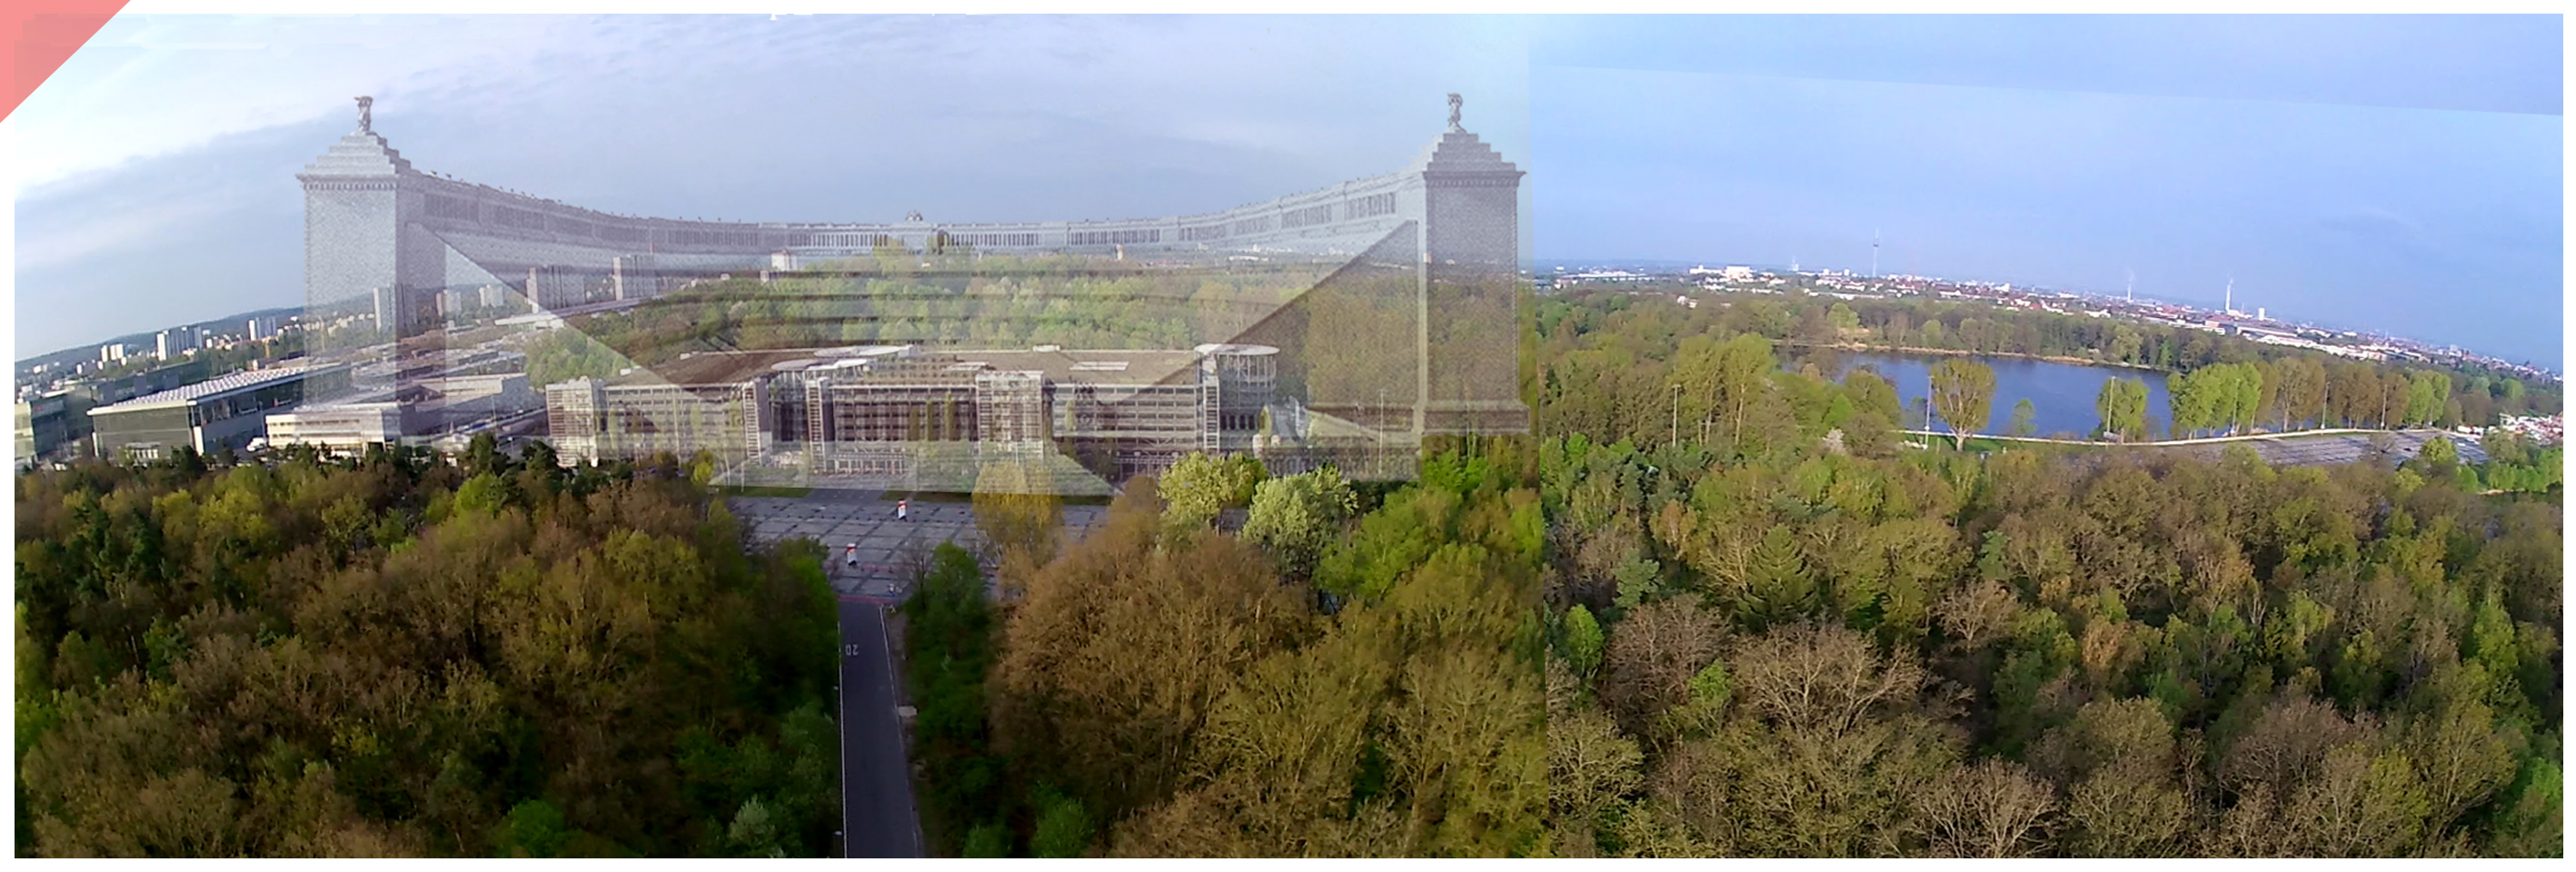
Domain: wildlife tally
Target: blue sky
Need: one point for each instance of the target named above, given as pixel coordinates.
(2400, 174)
(2345, 215)
(2393, 173)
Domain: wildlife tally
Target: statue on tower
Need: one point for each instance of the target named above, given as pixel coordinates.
(367, 114)
(1454, 102)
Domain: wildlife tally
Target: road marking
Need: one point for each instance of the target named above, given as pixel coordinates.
(912, 812)
(841, 693)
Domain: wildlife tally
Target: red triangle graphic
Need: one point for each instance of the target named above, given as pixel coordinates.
(39, 35)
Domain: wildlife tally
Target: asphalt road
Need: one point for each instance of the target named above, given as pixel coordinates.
(889, 550)
(877, 818)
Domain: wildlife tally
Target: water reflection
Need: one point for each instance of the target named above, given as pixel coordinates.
(2061, 394)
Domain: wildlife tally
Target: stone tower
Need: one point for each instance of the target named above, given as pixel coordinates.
(362, 252)
(1468, 323)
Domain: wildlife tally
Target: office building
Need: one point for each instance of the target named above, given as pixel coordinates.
(340, 426)
(209, 415)
(902, 412)
(50, 423)
(171, 343)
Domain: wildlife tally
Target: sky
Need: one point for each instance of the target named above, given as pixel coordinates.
(2393, 173)
(156, 169)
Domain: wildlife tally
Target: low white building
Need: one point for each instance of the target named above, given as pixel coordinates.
(2544, 430)
(348, 426)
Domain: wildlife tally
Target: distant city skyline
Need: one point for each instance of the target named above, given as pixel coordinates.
(2210, 303)
(2394, 174)
(2435, 224)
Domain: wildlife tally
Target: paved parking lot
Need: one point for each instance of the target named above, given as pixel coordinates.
(889, 551)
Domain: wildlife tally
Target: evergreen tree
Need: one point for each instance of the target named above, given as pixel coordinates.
(1777, 587)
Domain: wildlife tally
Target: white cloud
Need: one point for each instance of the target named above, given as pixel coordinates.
(740, 116)
(155, 85)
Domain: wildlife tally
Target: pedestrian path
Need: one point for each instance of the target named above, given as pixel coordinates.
(889, 551)
(2285, 448)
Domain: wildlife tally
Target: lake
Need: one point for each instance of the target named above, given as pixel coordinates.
(2061, 394)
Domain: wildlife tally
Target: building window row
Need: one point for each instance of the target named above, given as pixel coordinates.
(450, 208)
(841, 240)
(709, 237)
(1368, 207)
(1115, 237)
(522, 219)
(572, 227)
(463, 209)
(1307, 217)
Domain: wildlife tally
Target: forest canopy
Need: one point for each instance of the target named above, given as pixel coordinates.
(398, 656)
(1768, 641)
(1162, 690)
(1712, 607)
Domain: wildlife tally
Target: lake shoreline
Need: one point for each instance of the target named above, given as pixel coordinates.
(1858, 348)
(2064, 392)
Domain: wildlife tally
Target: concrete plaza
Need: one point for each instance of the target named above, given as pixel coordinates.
(890, 551)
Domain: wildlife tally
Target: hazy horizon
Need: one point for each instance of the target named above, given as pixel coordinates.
(2394, 174)
(2388, 174)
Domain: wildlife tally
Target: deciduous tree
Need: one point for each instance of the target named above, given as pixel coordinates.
(1963, 394)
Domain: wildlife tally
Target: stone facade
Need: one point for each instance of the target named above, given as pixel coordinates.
(1403, 322)
(840, 412)
(372, 221)
(1471, 240)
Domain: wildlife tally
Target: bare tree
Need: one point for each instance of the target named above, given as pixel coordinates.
(1991, 809)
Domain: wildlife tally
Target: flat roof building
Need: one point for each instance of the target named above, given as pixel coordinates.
(49, 421)
(339, 426)
(209, 415)
(930, 418)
